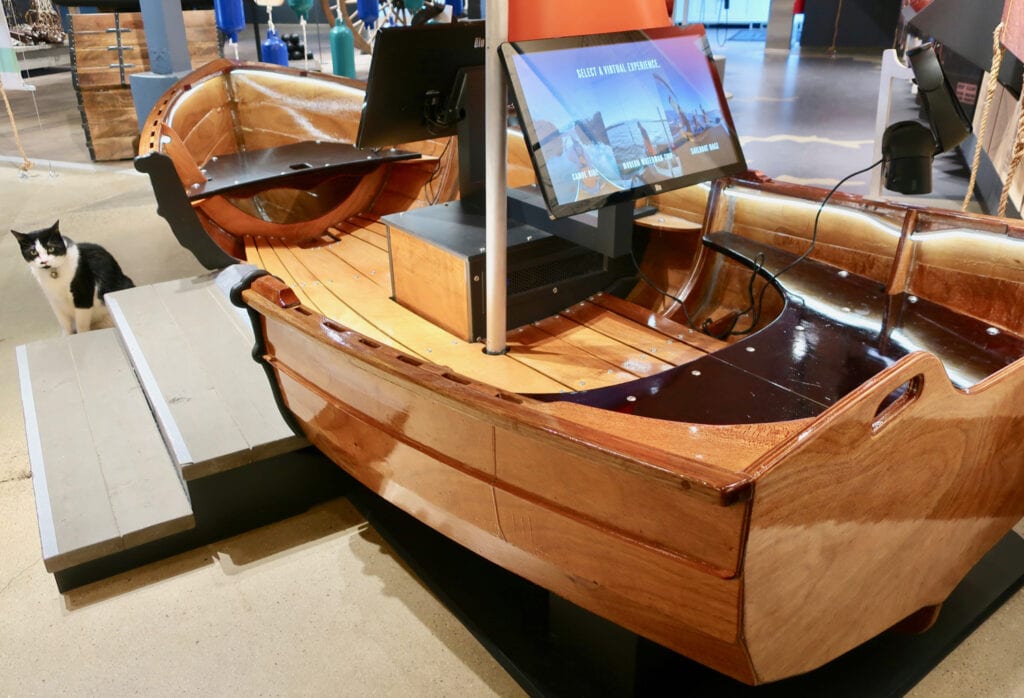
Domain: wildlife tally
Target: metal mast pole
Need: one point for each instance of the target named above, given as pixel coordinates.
(495, 115)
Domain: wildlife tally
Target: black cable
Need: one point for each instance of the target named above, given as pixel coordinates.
(758, 267)
(814, 239)
(682, 306)
(723, 27)
(433, 175)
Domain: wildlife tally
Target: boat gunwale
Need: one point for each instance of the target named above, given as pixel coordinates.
(761, 183)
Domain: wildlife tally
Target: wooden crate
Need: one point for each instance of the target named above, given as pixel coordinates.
(106, 48)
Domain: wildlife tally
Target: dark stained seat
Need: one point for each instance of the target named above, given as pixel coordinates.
(836, 330)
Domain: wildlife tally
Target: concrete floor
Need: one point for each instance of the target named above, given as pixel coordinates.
(319, 604)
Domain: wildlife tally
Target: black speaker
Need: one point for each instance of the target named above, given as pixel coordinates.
(907, 151)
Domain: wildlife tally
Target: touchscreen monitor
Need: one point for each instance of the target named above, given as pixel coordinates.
(614, 117)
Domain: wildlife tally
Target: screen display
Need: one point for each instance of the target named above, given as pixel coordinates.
(615, 117)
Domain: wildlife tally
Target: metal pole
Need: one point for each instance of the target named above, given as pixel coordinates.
(495, 193)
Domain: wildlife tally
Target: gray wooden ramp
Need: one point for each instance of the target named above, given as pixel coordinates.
(103, 479)
(192, 350)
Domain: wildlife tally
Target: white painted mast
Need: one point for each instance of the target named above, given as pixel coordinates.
(495, 171)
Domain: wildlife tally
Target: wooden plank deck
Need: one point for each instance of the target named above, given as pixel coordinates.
(599, 342)
(103, 479)
(191, 348)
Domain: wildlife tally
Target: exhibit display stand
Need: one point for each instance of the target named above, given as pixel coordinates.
(554, 648)
(878, 482)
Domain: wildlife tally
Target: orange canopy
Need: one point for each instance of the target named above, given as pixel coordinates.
(544, 19)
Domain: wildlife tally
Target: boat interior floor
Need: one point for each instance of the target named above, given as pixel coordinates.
(836, 331)
(599, 342)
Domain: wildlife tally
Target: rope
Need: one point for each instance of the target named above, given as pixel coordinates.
(26, 164)
(835, 30)
(39, 120)
(990, 90)
(305, 46)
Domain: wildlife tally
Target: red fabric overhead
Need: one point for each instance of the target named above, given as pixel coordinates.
(544, 19)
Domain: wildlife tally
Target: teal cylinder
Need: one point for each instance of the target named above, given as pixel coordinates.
(301, 7)
(343, 50)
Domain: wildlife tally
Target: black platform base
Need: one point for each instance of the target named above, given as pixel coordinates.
(229, 503)
(550, 646)
(554, 648)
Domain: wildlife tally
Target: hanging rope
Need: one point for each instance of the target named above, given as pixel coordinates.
(26, 164)
(305, 46)
(835, 30)
(990, 90)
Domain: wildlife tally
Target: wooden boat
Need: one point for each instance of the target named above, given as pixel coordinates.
(760, 503)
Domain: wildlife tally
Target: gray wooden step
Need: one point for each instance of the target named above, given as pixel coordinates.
(103, 479)
(192, 351)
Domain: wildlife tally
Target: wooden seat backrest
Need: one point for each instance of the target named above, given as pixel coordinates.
(972, 264)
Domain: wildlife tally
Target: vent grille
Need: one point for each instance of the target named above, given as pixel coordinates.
(554, 272)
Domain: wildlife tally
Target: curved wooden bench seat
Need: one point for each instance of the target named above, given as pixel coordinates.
(347, 190)
(836, 332)
(838, 309)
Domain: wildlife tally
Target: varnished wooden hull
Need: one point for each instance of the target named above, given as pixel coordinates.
(762, 550)
(760, 536)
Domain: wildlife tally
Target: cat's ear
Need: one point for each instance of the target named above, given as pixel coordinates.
(52, 236)
(20, 237)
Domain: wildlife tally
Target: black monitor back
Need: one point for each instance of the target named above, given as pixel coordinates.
(408, 64)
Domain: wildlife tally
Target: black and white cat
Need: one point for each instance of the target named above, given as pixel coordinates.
(74, 276)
